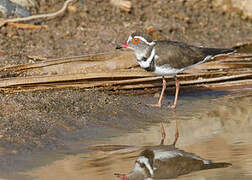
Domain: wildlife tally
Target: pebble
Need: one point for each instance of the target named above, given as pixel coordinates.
(26, 3)
(9, 8)
(244, 6)
(156, 95)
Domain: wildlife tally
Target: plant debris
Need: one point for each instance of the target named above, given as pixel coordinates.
(119, 70)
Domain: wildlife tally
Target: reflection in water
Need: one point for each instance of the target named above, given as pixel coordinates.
(216, 128)
(167, 161)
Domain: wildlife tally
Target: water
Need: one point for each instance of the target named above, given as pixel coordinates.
(216, 126)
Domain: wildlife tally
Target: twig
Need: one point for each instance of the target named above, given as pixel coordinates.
(29, 18)
(37, 58)
(190, 87)
(26, 26)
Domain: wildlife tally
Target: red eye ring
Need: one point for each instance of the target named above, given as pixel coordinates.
(135, 40)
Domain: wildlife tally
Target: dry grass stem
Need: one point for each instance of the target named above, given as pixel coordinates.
(39, 16)
(119, 70)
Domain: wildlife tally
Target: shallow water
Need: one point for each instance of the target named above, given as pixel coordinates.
(216, 126)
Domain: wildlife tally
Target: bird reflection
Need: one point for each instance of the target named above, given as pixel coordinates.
(167, 161)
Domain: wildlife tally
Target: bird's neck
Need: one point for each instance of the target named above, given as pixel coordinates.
(143, 54)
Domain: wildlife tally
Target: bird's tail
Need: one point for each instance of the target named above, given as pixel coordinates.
(218, 51)
(243, 47)
(216, 165)
(239, 48)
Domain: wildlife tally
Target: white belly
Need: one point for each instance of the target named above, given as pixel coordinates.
(166, 70)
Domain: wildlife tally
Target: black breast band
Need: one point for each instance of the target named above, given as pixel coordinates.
(151, 68)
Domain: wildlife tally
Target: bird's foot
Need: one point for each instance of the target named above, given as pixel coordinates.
(172, 106)
(155, 105)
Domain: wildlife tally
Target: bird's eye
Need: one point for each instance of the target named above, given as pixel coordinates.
(135, 40)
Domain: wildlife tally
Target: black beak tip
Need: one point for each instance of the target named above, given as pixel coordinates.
(118, 47)
(117, 174)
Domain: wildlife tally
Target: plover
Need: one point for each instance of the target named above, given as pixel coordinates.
(164, 57)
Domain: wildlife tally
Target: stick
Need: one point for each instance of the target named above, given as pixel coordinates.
(38, 87)
(220, 86)
(37, 58)
(109, 57)
(29, 18)
(25, 26)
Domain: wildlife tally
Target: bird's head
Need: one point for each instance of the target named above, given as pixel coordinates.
(134, 175)
(139, 42)
(143, 168)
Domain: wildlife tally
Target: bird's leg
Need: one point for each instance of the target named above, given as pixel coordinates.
(162, 133)
(161, 95)
(176, 133)
(176, 95)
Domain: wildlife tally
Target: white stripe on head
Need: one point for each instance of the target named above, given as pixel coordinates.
(144, 40)
(129, 39)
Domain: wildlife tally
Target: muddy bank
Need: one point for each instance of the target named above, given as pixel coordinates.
(40, 120)
(96, 26)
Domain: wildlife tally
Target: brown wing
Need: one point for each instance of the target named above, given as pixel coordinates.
(181, 165)
(176, 166)
(214, 51)
(180, 55)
